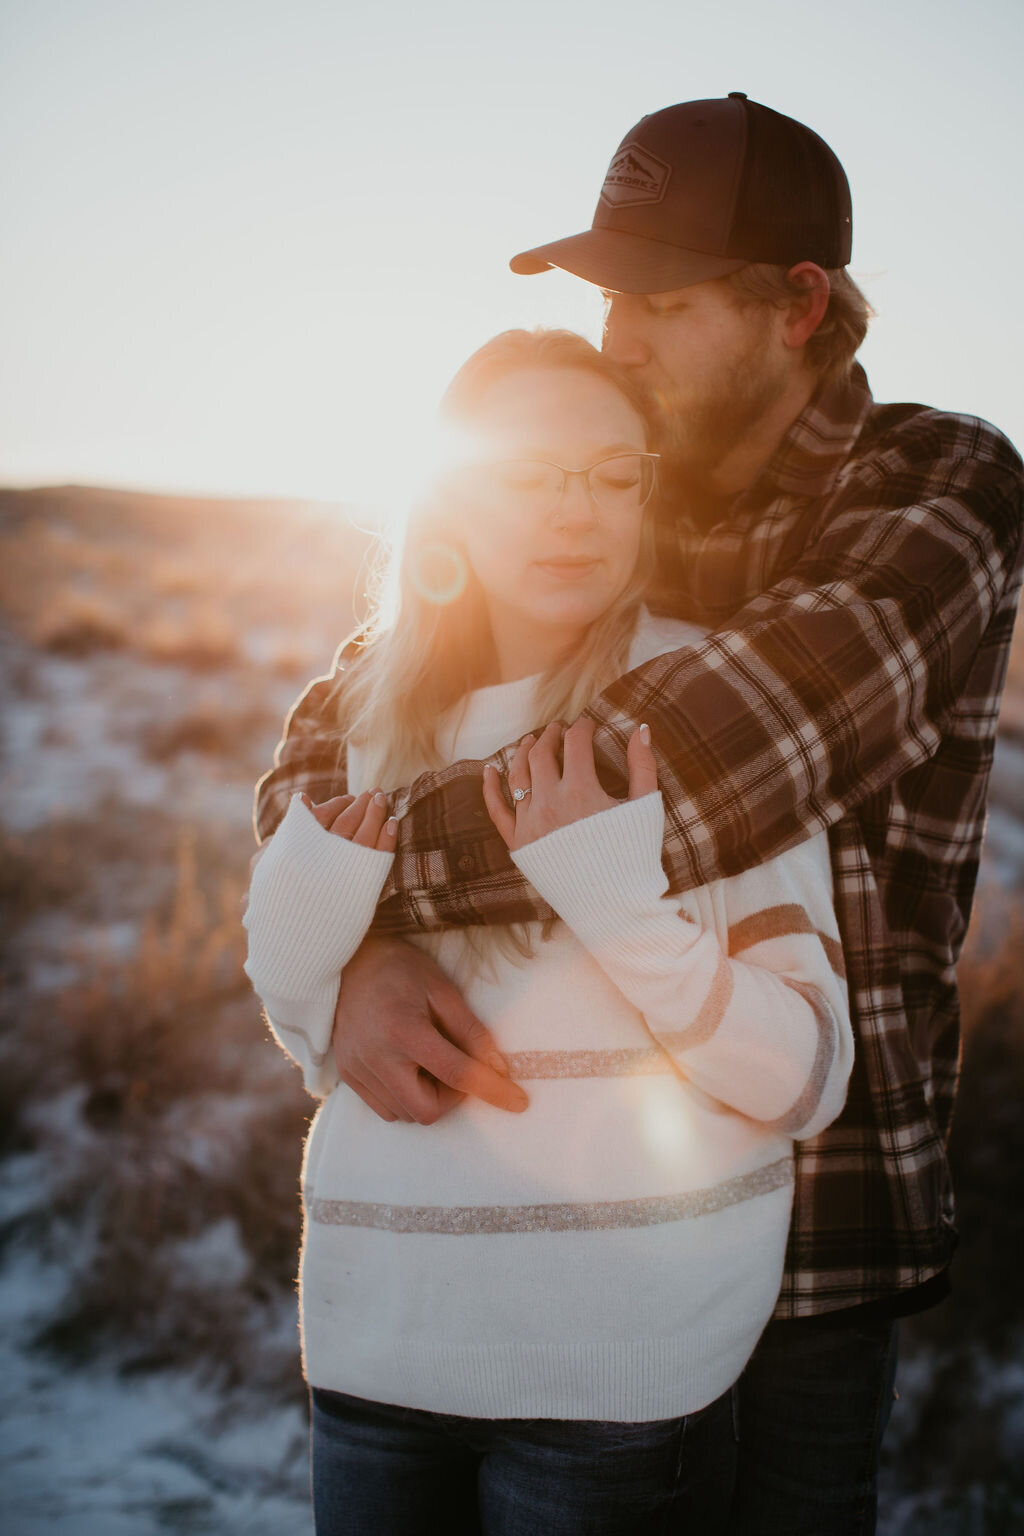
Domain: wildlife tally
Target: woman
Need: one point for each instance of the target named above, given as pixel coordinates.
(531, 1323)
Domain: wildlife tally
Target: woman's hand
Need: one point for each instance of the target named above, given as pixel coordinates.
(361, 819)
(554, 798)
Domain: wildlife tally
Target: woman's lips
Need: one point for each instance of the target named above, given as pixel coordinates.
(568, 569)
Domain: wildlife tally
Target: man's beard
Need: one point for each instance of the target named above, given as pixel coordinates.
(697, 434)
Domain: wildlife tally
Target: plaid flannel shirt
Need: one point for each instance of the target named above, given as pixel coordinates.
(861, 595)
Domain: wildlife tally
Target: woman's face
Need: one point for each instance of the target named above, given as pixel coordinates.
(550, 564)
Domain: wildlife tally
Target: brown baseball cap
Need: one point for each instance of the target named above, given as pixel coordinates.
(702, 189)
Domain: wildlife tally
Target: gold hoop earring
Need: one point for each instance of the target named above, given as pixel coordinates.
(439, 572)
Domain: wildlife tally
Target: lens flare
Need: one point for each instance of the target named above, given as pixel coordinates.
(431, 460)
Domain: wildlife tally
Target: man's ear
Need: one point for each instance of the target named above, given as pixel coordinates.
(806, 312)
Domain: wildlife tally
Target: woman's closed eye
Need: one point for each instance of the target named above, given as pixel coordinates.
(523, 475)
(623, 473)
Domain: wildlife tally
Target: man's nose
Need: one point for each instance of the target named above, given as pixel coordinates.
(623, 340)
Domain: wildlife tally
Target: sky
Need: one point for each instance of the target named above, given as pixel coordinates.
(245, 243)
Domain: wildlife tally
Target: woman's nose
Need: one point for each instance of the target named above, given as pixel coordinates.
(575, 508)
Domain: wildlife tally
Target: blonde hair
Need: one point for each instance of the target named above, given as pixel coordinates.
(415, 662)
(428, 637)
(833, 346)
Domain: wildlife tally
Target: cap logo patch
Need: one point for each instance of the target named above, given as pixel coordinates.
(635, 176)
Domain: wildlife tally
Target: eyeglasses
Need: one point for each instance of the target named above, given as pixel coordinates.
(619, 484)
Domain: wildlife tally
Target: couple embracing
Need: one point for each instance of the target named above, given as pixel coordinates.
(613, 882)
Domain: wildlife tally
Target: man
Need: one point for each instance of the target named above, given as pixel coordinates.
(859, 566)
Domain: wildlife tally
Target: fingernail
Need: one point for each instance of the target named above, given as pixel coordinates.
(391, 826)
(518, 1101)
(380, 798)
(645, 735)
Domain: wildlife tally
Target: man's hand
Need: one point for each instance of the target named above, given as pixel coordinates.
(406, 1042)
(546, 797)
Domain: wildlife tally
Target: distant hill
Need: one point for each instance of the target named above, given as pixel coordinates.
(126, 563)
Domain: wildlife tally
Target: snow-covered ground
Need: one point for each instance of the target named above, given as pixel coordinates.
(92, 1451)
(88, 1450)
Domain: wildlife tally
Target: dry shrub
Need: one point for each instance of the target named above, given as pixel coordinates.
(38, 561)
(202, 642)
(291, 659)
(987, 1145)
(136, 1021)
(176, 1122)
(222, 1176)
(209, 728)
(80, 624)
(110, 863)
(177, 578)
(960, 1435)
(153, 1117)
(30, 884)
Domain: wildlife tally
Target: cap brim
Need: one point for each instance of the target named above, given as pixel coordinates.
(626, 263)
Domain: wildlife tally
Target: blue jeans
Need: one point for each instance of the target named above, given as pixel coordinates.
(380, 1470)
(813, 1404)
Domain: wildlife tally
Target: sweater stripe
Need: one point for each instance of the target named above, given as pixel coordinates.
(524, 1066)
(778, 923)
(316, 1057)
(712, 1012)
(588, 1216)
(833, 953)
(807, 1104)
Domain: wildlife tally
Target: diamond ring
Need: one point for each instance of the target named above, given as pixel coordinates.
(521, 794)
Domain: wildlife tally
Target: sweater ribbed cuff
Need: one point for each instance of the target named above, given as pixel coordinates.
(602, 872)
(312, 898)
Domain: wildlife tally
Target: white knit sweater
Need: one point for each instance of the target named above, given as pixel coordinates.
(614, 1251)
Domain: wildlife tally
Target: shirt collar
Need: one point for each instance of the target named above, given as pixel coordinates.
(819, 442)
